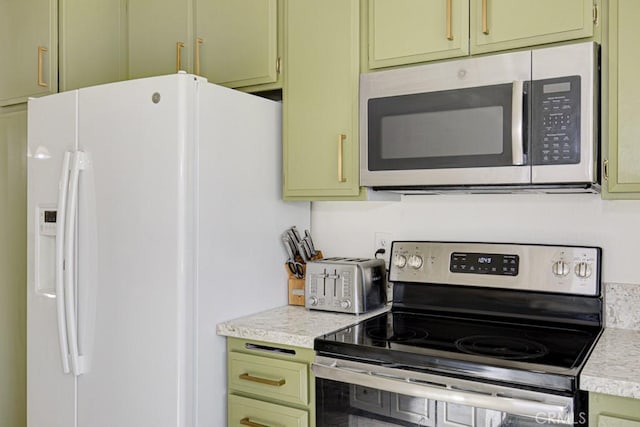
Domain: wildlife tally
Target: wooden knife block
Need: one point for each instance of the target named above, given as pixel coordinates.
(296, 286)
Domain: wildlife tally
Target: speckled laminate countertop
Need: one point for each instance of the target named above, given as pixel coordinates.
(614, 365)
(291, 325)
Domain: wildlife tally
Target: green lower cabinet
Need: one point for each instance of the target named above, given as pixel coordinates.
(269, 384)
(255, 413)
(613, 411)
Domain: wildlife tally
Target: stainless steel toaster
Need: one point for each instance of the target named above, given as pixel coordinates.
(345, 285)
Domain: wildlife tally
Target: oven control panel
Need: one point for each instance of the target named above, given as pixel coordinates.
(541, 268)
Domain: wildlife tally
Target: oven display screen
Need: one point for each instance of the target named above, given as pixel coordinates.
(476, 263)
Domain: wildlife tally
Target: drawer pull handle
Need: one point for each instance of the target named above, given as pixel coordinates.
(275, 383)
(247, 422)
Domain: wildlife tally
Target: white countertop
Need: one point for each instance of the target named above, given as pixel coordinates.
(291, 325)
(614, 365)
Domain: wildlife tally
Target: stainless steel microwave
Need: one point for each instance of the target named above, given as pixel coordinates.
(524, 120)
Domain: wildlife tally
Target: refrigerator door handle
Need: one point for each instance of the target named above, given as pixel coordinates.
(63, 187)
(77, 163)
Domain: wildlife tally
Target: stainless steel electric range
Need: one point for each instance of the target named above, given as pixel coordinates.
(479, 334)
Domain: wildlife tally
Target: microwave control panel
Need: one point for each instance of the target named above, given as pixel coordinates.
(556, 121)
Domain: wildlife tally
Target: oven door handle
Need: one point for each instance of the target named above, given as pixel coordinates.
(559, 413)
(517, 123)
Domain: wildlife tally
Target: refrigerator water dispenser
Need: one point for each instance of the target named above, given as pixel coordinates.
(45, 253)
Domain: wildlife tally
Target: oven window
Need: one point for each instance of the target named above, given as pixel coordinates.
(348, 405)
(460, 128)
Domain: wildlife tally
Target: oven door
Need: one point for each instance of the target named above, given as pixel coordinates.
(456, 123)
(350, 394)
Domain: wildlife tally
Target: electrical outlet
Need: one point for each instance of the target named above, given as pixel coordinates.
(382, 240)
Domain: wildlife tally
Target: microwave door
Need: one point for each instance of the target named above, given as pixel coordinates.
(564, 98)
(468, 136)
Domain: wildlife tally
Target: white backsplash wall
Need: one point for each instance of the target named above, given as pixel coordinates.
(347, 228)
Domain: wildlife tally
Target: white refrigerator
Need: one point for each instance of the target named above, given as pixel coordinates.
(155, 212)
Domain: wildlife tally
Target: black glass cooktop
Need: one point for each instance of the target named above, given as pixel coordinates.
(497, 350)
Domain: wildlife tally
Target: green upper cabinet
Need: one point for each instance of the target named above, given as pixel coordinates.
(509, 24)
(92, 38)
(159, 35)
(236, 42)
(320, 99)
(621, 101)
(28, 48)
(410, 31)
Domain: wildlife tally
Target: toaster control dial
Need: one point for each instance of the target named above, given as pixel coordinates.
(345, 304)
(400, 261)
(313, 301)
(415, 261)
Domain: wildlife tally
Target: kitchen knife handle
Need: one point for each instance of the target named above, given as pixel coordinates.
(199, 41)
(449, 23)
(341, 138)
(41, 51)
(275, 383)
(179, 46)
(246, 421)
(485, 23)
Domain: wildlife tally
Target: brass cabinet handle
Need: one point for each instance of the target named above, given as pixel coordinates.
(275, 383)
(179, 46)
(199, 41)
(41, 51)
(341, 138)
(449, 18)
(485, 24)
(605, 169)
(246, 421)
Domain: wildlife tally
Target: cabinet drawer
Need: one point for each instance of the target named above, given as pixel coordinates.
(250, 412)
(605, 421)
(272, 378)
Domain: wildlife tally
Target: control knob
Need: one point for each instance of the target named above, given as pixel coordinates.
(583, 270)
(313, 301)
(415, 261)
(345, 304)
(560, 268)
(400, 261)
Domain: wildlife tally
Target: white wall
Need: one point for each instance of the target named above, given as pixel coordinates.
(347, 228)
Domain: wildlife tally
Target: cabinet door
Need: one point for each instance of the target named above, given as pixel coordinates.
(410, 31)
(613, 411)
(320, 97)
(92, 42)
(28, 42)
(13, 266)
(508, 24)
(159, 37)
(623, 100)
(237, 41)
(250, 412)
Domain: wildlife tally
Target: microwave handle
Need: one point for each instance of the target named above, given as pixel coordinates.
(517, 141)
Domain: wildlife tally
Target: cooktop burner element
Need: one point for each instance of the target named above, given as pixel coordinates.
(398, 335)
(501, 347)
